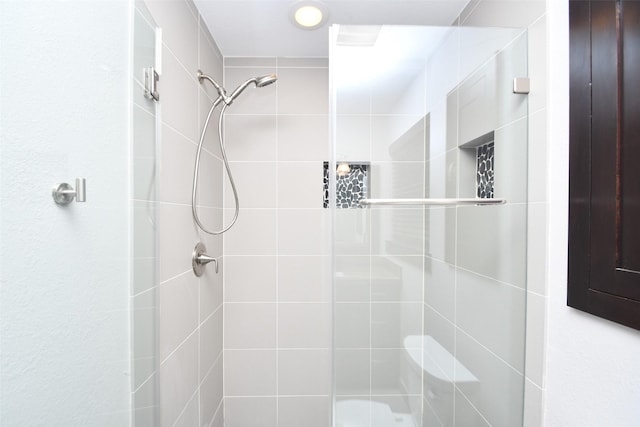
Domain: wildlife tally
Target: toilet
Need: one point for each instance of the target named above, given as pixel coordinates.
(369, 413)
(429, 362)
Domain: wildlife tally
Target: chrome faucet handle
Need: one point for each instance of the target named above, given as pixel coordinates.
(200, 259)
(63, 193)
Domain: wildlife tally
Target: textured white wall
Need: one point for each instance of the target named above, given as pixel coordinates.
(593, 375)
(64, 319)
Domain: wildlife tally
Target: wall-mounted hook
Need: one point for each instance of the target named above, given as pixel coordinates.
(64, 193)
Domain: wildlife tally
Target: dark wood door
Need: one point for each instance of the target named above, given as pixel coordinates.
(604, 199)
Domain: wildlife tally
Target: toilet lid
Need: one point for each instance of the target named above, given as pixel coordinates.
(358, 413)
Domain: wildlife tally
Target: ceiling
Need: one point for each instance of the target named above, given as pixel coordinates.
(254, 28)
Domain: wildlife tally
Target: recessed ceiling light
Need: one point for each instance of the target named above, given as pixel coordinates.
(309, 15)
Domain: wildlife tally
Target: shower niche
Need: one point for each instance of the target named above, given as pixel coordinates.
(352, 185)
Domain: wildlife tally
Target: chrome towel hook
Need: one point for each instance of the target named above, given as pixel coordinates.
(64, 193)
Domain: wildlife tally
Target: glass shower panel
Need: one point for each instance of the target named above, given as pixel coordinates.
(429, 301)
(144, 290)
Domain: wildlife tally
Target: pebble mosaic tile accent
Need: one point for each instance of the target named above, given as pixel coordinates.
(349, 188)
(484, 170)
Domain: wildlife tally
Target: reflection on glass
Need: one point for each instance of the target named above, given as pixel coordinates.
(429, 302)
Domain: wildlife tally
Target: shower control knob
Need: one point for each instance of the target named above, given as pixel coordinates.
(200, 259)
(63, 193)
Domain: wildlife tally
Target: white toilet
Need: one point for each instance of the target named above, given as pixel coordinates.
(365, 413)
(440, 371)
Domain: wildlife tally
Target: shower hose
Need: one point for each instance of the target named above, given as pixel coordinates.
(194, 194)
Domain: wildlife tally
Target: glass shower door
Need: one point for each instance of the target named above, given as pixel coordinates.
(429, 287)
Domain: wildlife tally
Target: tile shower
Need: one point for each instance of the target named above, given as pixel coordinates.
(250, 333)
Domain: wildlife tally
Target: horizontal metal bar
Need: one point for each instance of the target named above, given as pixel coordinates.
(431, 202)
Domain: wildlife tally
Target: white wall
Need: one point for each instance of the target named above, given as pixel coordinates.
(64, 315)
(593, 374)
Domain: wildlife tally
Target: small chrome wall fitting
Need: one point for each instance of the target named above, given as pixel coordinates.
(151, 78)
(521, 85)
(63, 194)
(200, 259)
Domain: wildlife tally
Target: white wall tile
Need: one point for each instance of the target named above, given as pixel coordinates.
(397, 231)
(303, 279)
(303, 90)
(537, 61)
(439, 287)
(251, 137)
(510, 162)
(466, 414)
(396, 278)
(303, 62)
(209, 61)
(502, 238)
(303, 137)
(211, 343)
(533, 416)
(397, 138)
(304, 411)
(304, 325)
(516, 14)
(352, 325)
(250, 278)
(493, 313)
(352, 367)
(144, 326)
(498, 396)
(397, 180)
(231, 61)
(178, 380)
(250, 411)
(250, 325)
(249, 373)
(353, 136)
(304, 372)
(352, 278)
(352, 231)
(255, 184)
(300, 185)
(537, 155)
(190, 414)
(535, 338)
(179, 97)
(178, 311)
(177, 240)
(253, 234)
(176, 166)
(211, 393)
(303, 232)
(391, 322)
(537, 235)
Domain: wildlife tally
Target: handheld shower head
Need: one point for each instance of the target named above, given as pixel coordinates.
(266, 80)
(261, 81)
